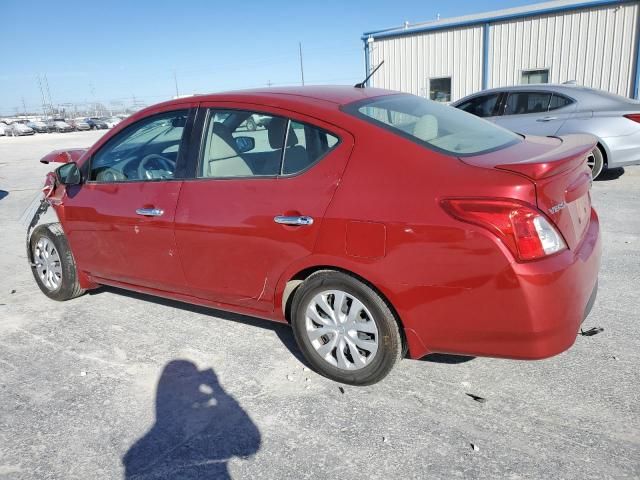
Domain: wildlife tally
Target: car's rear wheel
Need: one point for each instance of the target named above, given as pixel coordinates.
(345, 329)
(53, 265)
(595, 160)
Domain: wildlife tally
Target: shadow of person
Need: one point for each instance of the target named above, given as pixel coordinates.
(198, 429)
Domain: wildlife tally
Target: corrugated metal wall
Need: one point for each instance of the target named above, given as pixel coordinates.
(409, 61)
(595, 47)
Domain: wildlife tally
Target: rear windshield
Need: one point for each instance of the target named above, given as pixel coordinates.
(434, 125)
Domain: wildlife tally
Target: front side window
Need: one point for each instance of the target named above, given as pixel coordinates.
(482, 106)
(433, 125)
(534, 76)
(520, 103)
(248, 144)
(440, 89)
(147, 150)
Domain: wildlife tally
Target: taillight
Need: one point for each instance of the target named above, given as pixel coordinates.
(633, 116)
(523, 229)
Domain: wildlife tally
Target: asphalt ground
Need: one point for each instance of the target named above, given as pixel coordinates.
(120, 385)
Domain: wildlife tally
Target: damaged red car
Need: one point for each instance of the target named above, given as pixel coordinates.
(377, 224)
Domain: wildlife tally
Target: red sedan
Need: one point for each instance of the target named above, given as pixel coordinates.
(378, 224)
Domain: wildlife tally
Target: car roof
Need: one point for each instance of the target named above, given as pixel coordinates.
(335, 94)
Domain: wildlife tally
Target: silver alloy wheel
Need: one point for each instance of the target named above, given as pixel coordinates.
(47, 263)
(595, 161)
(341, 329)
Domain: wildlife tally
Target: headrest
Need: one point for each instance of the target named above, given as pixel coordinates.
(222, 144)
(275, 128)
(426, 128)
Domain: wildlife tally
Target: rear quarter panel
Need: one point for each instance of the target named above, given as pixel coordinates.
(431, 267)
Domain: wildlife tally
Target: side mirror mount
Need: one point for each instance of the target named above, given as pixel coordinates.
(245, 144)
(68, 174)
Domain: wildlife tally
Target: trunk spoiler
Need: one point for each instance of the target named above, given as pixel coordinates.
(63, 156)
(565, 157)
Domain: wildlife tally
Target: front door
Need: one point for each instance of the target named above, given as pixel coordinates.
(120, 221)
(257, 202)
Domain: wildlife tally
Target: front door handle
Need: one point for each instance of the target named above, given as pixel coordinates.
(546, 119)
(150, 212)
(297, 221)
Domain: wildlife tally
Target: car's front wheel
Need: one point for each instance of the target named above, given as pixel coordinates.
(595, 160)
(345, 329)
(53, 265)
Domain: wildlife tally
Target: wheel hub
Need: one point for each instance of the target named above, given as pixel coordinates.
(341, 329)
(47, 264)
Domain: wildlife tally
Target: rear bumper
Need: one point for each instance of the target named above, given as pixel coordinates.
(537, 316)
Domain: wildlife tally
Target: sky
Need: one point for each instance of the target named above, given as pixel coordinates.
(120, 50)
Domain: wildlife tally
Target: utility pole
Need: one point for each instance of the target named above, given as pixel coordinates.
(301, 67)
(175, 80)
(46, 82)
(24, 108)
(44, 101)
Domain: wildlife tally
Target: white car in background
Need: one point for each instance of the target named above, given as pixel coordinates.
(111, 121)
(17, 129)
(2, 125)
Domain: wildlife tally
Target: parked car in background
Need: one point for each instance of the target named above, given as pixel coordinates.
(79, 124)
(553, 110)
(2, 128)
(38, 126)
(96, 123)
(111, 121)
(376, 223)
(59, 126)
(18, 129)
(256, 120)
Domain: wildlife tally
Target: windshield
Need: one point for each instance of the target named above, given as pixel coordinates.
(434, 125)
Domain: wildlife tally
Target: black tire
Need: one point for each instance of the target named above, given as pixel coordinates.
(251, 124)
(69, 286)
(390, 347)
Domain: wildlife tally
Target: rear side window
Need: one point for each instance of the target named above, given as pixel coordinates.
(559, 101)
(482, 106)
(433, 125)
(305, 146)
(521, 103)
(244, 144)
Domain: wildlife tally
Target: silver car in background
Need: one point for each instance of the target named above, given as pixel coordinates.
(548, 109)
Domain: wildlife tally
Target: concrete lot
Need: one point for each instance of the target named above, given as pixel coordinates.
(120, 385)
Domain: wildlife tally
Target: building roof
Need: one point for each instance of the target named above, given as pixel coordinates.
(556, 6)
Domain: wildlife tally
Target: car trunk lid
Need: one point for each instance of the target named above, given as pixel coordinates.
(558, 168)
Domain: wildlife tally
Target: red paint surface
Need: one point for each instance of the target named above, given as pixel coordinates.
(455, 287)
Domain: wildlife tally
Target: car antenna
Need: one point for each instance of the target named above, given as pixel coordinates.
(362, 84)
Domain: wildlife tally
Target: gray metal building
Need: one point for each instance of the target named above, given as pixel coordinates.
(594, 42)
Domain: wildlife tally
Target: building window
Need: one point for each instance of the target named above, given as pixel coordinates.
(440, 89)
(535, 76)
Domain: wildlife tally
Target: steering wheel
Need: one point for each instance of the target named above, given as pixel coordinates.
(165, 164)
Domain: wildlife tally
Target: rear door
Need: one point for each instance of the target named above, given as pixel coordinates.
(120, 220)
(535, 112)
(257, 201)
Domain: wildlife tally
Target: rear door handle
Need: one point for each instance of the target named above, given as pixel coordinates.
(546, 119)
(150, 212)
(297, 221)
